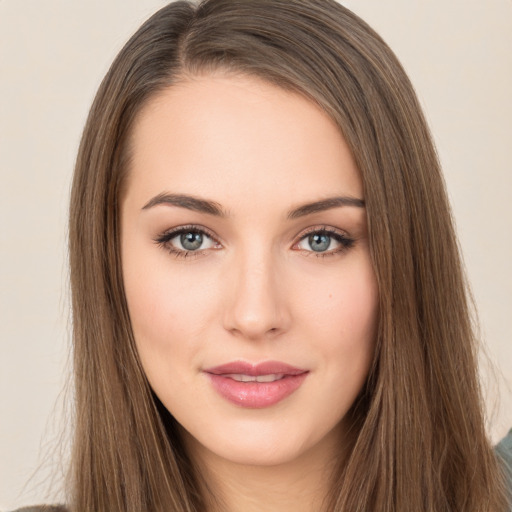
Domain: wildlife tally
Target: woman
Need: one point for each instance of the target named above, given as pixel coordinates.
(269, 308)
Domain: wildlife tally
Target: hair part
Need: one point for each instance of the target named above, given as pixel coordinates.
(419, 437)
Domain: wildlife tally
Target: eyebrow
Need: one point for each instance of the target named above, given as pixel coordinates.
(325, 204)
(213, 208)
(189, 202)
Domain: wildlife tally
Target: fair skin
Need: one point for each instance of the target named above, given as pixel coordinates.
(242, 280)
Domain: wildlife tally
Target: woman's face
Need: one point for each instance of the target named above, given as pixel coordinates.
(246, 266)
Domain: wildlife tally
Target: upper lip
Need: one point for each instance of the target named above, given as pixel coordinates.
(254, 370)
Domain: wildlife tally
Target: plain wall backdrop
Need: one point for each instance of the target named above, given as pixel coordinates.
(53, 54)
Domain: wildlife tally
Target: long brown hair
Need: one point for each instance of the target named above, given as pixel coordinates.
(419, 440)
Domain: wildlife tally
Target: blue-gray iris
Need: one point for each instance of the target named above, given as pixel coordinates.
(319, 242)
(191, 241)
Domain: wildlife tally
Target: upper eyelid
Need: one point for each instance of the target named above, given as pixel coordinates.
(322, 229)
(172, 232)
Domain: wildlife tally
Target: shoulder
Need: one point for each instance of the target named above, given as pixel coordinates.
(504, 451)
(42, 508)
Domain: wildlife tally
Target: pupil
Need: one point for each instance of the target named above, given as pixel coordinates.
(191, 241)
(319, 242)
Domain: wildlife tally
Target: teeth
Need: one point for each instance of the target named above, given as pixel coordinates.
(255, 378)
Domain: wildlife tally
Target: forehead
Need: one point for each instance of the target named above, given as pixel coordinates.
(238, 138)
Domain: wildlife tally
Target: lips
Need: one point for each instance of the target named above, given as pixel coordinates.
(256, 386)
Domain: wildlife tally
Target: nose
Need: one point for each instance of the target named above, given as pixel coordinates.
(258, 306)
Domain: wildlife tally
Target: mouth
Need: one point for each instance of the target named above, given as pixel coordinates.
(240, 377)
(256, 386)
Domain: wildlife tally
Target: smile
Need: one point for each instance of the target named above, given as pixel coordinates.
(255, 386)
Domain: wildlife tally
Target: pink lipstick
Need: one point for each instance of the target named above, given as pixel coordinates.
(256, 386)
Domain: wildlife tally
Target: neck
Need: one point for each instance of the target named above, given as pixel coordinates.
(300, 485)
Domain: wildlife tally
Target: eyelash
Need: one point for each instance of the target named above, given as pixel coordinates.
(345, 241)
(163, 240)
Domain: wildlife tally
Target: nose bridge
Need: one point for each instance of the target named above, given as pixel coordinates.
(257, 307)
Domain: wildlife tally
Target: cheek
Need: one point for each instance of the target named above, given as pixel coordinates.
(166, 309)
(161, 307)
(341, 317)
(167, 327)
(342, 306)
(169, 310)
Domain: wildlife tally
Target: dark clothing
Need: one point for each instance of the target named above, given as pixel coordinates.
(504, 451)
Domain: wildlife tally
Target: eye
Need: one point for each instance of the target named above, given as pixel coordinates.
(191, 241)
(187, 240)
(325, 241)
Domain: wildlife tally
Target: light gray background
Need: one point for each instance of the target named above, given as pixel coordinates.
(53, 54)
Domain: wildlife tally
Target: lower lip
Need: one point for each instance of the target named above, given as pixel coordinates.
(256, 395)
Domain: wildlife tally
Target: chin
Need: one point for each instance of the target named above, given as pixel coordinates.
(262, 444)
